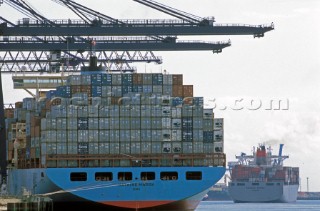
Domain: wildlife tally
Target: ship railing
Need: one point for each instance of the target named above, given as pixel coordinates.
(135, 160)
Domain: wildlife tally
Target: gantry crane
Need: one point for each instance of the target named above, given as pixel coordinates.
(161, 34)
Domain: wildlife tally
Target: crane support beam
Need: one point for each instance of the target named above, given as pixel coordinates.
(117, 46)
(3, 148)
(133, 28)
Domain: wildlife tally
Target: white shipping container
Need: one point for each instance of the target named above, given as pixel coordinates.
(176, 124)
(166, 147)
(83, 111)
(83, 136)
(166, 135)
(198, 147)
(176, 147)
(187, 147)
(176, 135)
(166, 123)
(176, 112)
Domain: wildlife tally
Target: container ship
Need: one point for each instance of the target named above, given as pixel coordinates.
(116, 141)
(261, 177)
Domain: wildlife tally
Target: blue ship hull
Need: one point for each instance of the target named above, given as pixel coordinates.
(136, 194)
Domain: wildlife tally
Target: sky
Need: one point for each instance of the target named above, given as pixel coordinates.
(284, 65)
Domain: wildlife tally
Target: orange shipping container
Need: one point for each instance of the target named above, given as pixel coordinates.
(9, 113)
(137, 79)
(177, 91)
(18, 105)
(187, 90)
(177, 79)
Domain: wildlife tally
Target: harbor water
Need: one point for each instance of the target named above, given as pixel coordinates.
(300, 205)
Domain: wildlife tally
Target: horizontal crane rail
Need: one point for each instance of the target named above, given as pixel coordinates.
(132, 28)
(116, 46)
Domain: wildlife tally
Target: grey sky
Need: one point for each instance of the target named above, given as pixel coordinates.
(282, 65)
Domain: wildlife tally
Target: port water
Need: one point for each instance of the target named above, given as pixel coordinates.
(300, 205)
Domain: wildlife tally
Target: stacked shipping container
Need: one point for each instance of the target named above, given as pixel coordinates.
(113, 114)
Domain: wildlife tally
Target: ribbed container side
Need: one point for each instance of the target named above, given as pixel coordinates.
(93, 136)
(106, 91)
(167, 90)
(61, 123)
(176, 147)
(147, 79)
(198, 147)
(106, 80)
(177, 91)
(147, 88)
(72, 136)
(187, 111)
(218, 147)
(187, 135)
(156, 111)
(156, 147)
(62, 136)
(198, 135)
(135, 123)
(187, 147)
(166, 135)
(125, 135)
(208, 136)
(125, 147)
(137, 79)
(157, 79)
(104, 148)
(218, 135)
(176, 113)
(96, 79)
(116, 91)
(83, 136)
(218, 123)
(135, 135)
(135, 147)
(176, 135)
(177, 79)
(74, 80)
(116, 79)
(85, 79)
(156, 122)
(156, 135)
(208, 124)
(146, 135)
(114, 135)
(188, 91)
(197, 123)
(104, 136)
(146, 147)
(96, 91)
(208, 113)
(166, 147)
(125, 123)
(62, 148)
(167, 80)
(93, 148)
